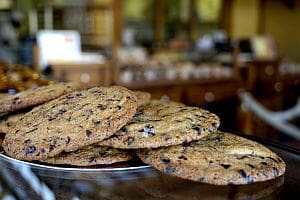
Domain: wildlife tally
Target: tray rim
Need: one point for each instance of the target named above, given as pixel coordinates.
(14, 161)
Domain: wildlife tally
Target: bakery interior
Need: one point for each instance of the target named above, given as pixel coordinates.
(236, 58)
(225, 56)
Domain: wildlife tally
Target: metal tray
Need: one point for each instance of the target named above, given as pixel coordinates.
(37, 181)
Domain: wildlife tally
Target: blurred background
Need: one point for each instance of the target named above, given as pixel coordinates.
(237, 58)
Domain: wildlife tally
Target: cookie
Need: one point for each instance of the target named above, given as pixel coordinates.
(70, 122)
(8, 121)
(159, 124)
(142, 97)
(36, 96)
(219, 158)
(90, 155)
(4, 95)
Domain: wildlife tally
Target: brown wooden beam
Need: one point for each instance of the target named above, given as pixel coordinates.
(117, 38)
(159, 22)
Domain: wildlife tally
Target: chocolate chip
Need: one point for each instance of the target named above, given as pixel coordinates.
(67, 140)
(51, 118)
(62, 111)
(92, 159)
(197, 129)
(167, 137)
(147, 131)
(263, 163)
(166, 160)
(250, 165)
(250, 179)
(101, 106)
(30, 150)
(78, 94)
(52, 145)
(103, 153)
(90, 111)
(215, 125)
(160, 109)
(88, 133)
(275, 171)
(15, 100)
(182, 157)
(129, 140)
(225, 166)
(70, 97)
(96, 122)
(27, 141)
(170, 170)
(182, 109)
(154, 120)
(272, 159)
(242, 173)
(242, 157)
(266, 175)
(118, 107)
(123, 129)
(201, 179)
(185, 144)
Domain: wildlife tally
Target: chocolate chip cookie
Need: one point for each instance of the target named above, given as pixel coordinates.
(90, 155)
(8, 121)
(36, 96)
(158, 123)
(70, 122)
(142, 97)
(219, 158)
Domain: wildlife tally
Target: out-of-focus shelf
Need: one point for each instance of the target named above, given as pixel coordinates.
(93, 74)
(176, 82)
(192, 91)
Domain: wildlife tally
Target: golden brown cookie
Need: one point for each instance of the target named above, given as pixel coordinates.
(8, 121)
(36, 96)
(157, 124)
(90, 155)
(219, 158)
(142, 97)
(70, 122)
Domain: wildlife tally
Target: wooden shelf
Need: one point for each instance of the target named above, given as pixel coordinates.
(177, 82)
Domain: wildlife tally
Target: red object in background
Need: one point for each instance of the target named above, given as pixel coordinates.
(179, 44)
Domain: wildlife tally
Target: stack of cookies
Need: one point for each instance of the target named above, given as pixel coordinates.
(69, 124)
